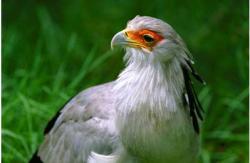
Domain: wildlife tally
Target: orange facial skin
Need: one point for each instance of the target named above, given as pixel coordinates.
(143, 38)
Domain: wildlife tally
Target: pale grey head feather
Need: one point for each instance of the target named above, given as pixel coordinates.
(172, 45)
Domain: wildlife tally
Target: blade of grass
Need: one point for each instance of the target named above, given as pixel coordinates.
(58, 79)
(84, 69)
(233, 106)
(18, 138)
(205, 156)
(26, 107)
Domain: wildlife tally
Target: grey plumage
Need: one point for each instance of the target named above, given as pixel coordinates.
(82, 126)
(149, 114)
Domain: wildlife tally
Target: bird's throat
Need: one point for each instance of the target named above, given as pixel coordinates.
(152, 87)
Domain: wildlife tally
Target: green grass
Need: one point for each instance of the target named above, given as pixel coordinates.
(51, 52)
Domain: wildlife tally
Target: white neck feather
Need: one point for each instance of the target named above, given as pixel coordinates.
(148, 85)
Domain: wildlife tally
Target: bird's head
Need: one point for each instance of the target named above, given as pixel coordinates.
(151, 39)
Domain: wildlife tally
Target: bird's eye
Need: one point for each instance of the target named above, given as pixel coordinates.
(148, 38)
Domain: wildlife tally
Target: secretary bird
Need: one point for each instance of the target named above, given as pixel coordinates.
(149, 114)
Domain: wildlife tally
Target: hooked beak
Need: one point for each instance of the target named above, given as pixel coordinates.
(125, 38)
(119, 39)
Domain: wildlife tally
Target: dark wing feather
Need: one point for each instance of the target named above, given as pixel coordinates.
(193, 102)
(35, 158)
(51, 123)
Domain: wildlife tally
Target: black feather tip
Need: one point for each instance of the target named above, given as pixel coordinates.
(195, 107)
(35, 159)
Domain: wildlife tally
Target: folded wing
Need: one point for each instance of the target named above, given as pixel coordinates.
(84, 125)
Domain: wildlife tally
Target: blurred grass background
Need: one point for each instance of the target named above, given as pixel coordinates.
(54, 49)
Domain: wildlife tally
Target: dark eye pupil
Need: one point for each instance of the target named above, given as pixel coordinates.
(148, 38)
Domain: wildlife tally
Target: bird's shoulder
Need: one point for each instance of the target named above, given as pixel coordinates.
(92, 103)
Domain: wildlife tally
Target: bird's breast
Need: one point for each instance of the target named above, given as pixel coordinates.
(151, 120)
(145, 134)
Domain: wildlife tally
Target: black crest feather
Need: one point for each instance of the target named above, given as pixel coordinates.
(192, 101)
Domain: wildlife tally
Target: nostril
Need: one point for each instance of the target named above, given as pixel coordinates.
(126, 34)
